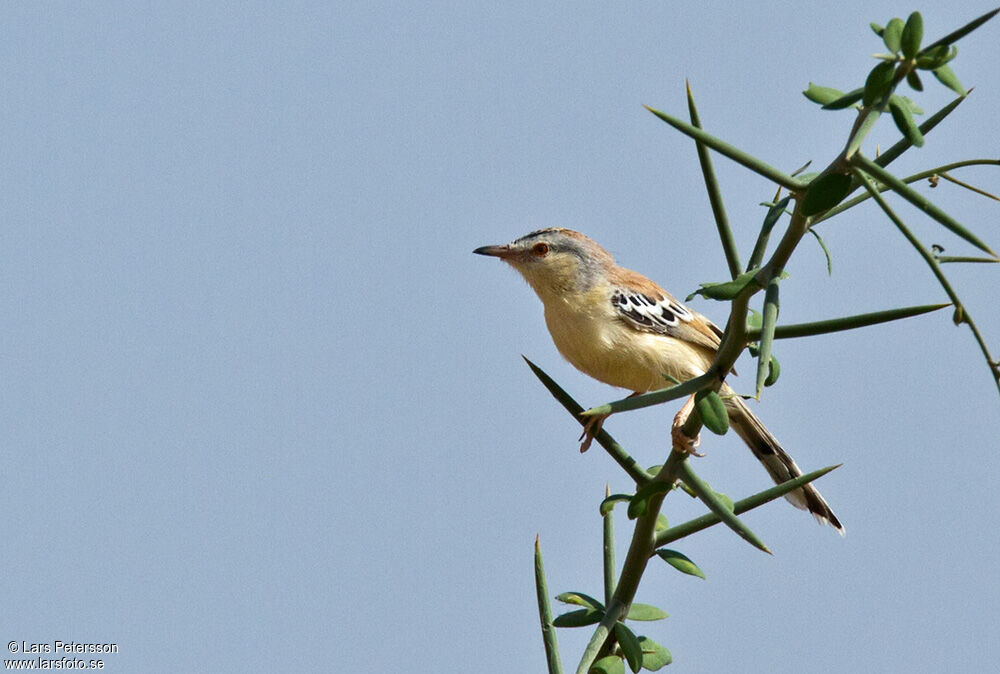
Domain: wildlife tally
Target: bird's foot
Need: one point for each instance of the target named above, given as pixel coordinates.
(590, 429)
(680, 439)
(682, 443)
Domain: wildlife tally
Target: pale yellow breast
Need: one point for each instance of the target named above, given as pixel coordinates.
(589, 334)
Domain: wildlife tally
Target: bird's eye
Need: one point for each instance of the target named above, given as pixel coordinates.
(540, 249)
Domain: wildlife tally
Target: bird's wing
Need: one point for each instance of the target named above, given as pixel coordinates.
(646, 306)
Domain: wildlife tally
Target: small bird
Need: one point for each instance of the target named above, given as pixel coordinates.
(622, 329)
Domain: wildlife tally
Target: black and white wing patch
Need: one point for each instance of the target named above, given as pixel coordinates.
(665, 316)
(650, 313)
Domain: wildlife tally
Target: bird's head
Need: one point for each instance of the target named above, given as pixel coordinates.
(554, 261)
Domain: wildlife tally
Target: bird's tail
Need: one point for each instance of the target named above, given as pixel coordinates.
(777, 462)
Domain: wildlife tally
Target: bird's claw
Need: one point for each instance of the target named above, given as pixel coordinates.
(682, 443)
(590, 429)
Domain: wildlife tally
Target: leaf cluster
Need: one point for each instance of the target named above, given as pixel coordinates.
(905, 59)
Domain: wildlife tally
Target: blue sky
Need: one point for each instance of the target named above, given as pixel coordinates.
(262, 407)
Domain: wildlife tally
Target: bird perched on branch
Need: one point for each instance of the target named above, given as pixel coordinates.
(620, 328)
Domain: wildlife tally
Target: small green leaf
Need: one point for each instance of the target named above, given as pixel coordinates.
(726, 501)
(826, 192)
(637, 506)
(868, 121)
(680, 562)
(908, 103)
(580, 599)
(929, 59)
(686, 489)
(821, 95)
(661, 522)
(774, 213)
(797, 172)
(654, 656)
(913, 35)
(913, 79)
(904, 121)
(878, 84)
(771, 306)
(645, 612)
(609, 664)
(608, 504)
(726, 290)
(581, 618)
(892, 34)
(774, 371)
(845, 101)
(754, 319)
(712, 411)
(826, 251)
(947, 77)
(630, 646)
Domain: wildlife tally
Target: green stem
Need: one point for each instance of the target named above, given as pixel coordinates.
(708, 497)
(916, 177)
(609, 551)
(653, 397)
(917, 199)
(603, 438)
(794, 330)
(961, 314)
(711, 519)
(545, 614)
(942, 259)
(714, 194)
(639, 552)
(734, 153)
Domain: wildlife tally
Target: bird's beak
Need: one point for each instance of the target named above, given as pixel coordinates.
(502, 252)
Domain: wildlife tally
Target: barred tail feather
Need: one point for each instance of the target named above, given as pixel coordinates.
(777, 462)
